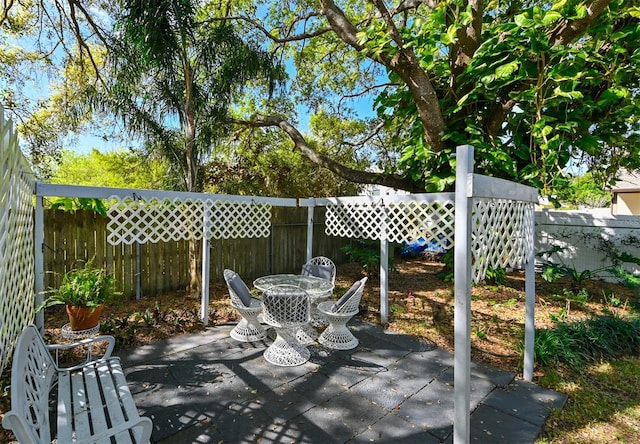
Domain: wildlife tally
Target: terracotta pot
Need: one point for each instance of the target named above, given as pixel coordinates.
(84, 318)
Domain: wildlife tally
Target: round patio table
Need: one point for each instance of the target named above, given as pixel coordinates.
(317, 289)
(314, 286)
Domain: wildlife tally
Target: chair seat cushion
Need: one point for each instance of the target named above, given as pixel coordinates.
(240, 288)
(345, 297)
(321, 271)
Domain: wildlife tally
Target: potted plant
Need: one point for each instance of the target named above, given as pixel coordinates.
(84, 291)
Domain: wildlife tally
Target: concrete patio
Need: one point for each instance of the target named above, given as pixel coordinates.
(209, 388)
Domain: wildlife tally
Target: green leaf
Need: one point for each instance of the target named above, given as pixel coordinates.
(506, 70)
(551, 17)
(523, 21)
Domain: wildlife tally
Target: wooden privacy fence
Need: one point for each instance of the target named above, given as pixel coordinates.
(164, 266)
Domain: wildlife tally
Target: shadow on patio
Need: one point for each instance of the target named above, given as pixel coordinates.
(207, 387)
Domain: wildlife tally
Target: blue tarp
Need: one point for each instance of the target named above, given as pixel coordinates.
(413, 249)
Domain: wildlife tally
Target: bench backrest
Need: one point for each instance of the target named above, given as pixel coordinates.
(32, 374)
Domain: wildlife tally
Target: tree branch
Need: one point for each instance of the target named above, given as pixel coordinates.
(341, 25)
(391, 26)
(571, 29)
(368, 137)
(364, 177)
(270, 36)
(413, 4)
(6, 7)
(405, 64)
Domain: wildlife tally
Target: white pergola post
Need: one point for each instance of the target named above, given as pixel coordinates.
(310, 210)
(530, 302)
(206, 270)
(384, 270)
(38, 245)
(462, 296)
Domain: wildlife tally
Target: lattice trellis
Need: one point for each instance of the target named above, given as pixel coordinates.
(132, 219)
(238, 219)
(395, 221)
(16, 241)
(502, 234)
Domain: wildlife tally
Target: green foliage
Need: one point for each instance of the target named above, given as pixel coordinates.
(88, 286)
(583, 191)
(118, 169)
(552, 270)
(367, 254)
(570, 103)
(578, 343)
(447, 273)
(496, 276)
(71, 204)
(261, 162)
(174, 74)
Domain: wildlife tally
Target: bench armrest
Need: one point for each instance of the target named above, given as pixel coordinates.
(57, 348)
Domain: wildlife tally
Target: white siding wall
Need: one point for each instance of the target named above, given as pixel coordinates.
(582, 235)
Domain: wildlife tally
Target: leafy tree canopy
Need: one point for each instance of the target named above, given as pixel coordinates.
(583, 191)
(533, 85)
(118, 169)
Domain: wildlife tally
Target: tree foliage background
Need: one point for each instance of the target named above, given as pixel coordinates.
(535, 86)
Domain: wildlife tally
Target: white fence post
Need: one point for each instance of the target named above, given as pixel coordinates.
(462, 291)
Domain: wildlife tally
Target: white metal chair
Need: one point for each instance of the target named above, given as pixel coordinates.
(324, 268)
(286, 308)
(337, 334)
(249, 328)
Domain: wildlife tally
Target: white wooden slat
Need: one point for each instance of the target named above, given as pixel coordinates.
(123, 391)
(80, 407)
(494, 188)
(65, 409)
(47, 189)
(112, 397)
(96, 405)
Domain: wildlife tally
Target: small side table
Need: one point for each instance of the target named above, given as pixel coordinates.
(76, 335)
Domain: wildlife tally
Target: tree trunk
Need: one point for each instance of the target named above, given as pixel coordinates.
(192, 159)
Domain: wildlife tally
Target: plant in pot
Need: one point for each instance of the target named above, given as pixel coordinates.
(84, 291)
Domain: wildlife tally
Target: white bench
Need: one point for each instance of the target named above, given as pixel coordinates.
(86, 403)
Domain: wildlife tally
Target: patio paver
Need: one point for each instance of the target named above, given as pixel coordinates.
(209, 388)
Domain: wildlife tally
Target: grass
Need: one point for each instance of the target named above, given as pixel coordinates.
(603, 404)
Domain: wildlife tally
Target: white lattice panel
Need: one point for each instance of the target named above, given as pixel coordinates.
(409, 221)
(238, 219)
(133, 219)
(355, 220)
(396, 221)
(503, 234)
(16, 241)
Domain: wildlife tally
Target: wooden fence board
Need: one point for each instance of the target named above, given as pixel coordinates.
(164, 267)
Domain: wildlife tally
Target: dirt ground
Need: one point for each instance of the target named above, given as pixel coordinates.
(420, 303)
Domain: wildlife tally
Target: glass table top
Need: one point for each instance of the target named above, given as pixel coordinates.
(310, 284)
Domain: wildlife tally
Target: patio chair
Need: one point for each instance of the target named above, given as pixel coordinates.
(324, 268)
(337, 334)
(249, 328)
(286, 308)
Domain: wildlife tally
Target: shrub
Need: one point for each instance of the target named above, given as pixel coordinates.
(576, 343)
